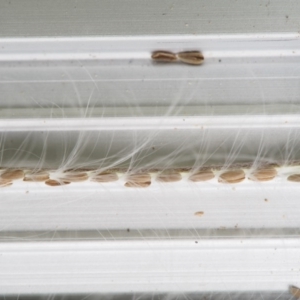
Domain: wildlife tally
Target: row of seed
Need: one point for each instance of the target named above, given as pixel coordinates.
(136, 180)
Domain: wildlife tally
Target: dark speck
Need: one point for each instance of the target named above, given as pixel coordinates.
(220, 60)
(128, 230)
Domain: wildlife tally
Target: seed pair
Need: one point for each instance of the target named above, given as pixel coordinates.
(187, 57)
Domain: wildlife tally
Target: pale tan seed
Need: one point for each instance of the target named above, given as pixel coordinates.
(263, 174)
(53, 182)
(74, 177)
(12, 174)
(234, 176)
(169, 176)
(163, 56)
(4, 182)
(5, 185)
(294, 178)
(295, 291)
(191, 57)
(105, 177)
(202, 176)
(137, 185)
(39, 176)
(138, 180)
(199, 213)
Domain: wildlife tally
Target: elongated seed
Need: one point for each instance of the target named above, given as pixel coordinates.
(164, 56)
(263, 174)
(169, 176)
(234, 176)
(74, 177)
(4, 182)
(53, 182)
(199, 213)
(202, 176)
(294, 178)
(5, 185)
(295, 291)
(12, 174)
(105, 177)
(39, 176)
(191, 57)
(138, 180)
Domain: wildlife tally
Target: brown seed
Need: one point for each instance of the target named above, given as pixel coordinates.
(74, 177)
(39, 176)
(234, 176)
(294, 178)
(105, 177)
(138, 180)
(169, 176)
(199, 213)
(163, 56)
(295, 291)
(53, 182)
(12, 174)
(191, 57)
(263, 174)
(202, 176)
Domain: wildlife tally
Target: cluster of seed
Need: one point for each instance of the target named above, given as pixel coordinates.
(143, 179)
(187, 57)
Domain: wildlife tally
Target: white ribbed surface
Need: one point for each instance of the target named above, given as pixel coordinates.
(150, 266)
(78, 90)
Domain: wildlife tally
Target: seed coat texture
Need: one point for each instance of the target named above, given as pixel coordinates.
(105, 177)
(138, 180)
(263, 174)
(234, 176)
(202, 176)
(169, 176)
(12, 174)
(74, 177)
(191, 57)
(294, 178)
(40, 176)
(52, 182)
(164, 56)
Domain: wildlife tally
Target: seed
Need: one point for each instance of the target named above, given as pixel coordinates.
(5, 182)
(202, 176)
(138, 180)
(5, 185)
(74, 176)
(295, 291)
(164, 56)
(294, 178)
(199, 213)
(39, 176)
(234, 176)
(105, 177)
(12, 175)
(53, 182)
(169, 176)
(191, 57)
(263, 174)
